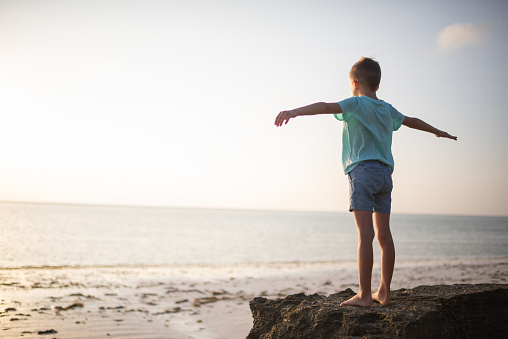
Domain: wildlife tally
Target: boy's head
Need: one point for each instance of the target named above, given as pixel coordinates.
(367, 72)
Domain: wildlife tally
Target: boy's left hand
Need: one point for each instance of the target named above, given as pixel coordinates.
(284, 116)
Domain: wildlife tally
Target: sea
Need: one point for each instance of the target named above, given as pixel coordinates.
(47, 235)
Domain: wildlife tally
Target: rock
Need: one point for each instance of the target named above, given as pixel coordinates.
(70, 307)
(446, 311)
(51, 331)
(206, 300)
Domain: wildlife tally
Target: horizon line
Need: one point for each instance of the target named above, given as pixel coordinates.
(113, 205)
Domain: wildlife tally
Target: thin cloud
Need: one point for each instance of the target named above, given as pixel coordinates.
(459, 35)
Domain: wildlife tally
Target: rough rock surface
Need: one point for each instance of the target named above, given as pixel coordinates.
(446, 311)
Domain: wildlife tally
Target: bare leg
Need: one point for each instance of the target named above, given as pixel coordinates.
(384, 236)
(365, 234)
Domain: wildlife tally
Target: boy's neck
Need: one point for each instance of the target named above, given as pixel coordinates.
(364, 91)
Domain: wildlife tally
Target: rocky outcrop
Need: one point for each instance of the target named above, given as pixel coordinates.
(449, 311)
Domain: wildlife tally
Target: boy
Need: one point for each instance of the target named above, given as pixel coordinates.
(368, 162)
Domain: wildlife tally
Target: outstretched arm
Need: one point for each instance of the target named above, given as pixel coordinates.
(312, 109)
(423, 126)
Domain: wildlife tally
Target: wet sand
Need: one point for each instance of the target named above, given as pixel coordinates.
(189, 301)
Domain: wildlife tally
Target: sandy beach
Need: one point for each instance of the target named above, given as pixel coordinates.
(188, 301)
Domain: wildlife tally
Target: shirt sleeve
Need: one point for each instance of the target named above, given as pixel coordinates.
(397, 118)
(348, 107)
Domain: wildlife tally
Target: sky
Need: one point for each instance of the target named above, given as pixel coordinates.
(172, 103)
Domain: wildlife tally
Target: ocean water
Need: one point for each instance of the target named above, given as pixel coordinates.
(60, 235)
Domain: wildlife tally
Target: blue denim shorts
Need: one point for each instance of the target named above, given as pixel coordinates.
(370, 187)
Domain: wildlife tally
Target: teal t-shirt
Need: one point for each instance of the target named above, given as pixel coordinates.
(367, 131)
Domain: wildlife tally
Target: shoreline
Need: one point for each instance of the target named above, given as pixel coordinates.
(288, 264)
(191, 301)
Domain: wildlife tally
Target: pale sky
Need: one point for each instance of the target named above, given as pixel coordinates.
(172, 103)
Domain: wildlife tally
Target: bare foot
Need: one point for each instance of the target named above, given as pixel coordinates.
(382, 298)
(357, 301)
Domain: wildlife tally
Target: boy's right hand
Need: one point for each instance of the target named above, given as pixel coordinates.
(443, 134)
(284, 116)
